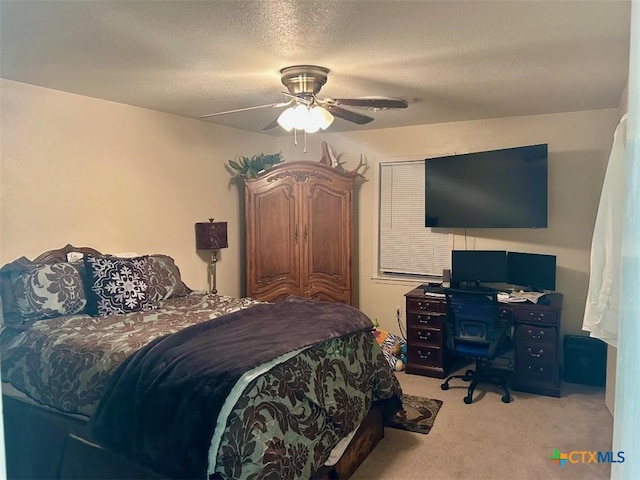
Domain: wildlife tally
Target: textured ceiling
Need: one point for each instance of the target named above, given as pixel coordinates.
(451, 60)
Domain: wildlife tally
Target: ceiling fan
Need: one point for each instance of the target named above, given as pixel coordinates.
(307, 111)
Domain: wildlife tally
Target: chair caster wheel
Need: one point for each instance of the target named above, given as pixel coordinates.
(467, 400)
(444, 386)
(506, 399)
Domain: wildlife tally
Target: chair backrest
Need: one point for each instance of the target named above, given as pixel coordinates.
(473, 316)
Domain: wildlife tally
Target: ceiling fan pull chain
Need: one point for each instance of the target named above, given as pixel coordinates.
(305, 142)
(295, 137)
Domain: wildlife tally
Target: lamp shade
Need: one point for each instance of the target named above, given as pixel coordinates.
(211, 235)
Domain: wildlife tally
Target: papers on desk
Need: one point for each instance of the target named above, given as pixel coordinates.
(434, 295)
(521, 296)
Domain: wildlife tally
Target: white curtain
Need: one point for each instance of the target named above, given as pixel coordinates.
(602, 307)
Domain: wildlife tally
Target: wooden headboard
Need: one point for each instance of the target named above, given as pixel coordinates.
(60, 255)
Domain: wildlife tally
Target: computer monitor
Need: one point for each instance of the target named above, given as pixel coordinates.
(478, 266)
(533, 271)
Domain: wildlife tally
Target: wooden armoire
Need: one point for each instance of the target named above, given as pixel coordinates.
(299, 232)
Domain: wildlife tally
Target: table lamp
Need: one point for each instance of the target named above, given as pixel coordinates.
(211, 236)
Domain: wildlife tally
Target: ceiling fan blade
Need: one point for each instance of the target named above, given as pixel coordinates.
(268, 105)
(376, 103)
(272, 125)
(354, 117)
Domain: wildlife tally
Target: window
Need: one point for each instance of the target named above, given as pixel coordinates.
(406, 246)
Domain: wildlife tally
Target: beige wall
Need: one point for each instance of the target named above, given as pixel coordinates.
(579, 145)
(118, 178)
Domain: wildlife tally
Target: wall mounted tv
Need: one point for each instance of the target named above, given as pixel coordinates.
(495, 189)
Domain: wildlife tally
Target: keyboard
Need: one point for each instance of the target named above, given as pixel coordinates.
(480, 289)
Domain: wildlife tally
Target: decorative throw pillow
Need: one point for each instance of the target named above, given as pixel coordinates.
(9, 273)
(164, 278)
(49, 291)
(116, 285)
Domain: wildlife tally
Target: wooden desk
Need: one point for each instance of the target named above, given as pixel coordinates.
(536, 366)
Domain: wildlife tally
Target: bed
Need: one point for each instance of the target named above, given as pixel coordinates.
(113, 368)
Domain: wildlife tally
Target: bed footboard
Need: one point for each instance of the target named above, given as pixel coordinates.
(43, 444)
(371, 431)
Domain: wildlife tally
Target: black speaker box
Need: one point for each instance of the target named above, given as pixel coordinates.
(585, 360)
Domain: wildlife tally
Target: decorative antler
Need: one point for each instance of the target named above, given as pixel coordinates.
(335, 161)
(362, 163)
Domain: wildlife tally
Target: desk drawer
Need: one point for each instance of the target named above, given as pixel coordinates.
(506, 313)
(536, 316)
(533, 334)
(429, 336)
(433, 320)
(536, 352)
(537, 373)
(426, 305)
(429, 356)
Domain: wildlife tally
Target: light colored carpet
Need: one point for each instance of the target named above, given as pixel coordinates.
(490, 440)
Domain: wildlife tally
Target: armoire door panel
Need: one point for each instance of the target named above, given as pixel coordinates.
(272, 245)
(328, 294)
(276, 293)
(327, 242)
(327, 250)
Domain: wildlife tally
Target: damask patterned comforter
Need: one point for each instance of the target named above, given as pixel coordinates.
(281, 422)
(65, 362)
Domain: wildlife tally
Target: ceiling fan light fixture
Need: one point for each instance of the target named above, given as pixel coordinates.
(301, 117)
(311, 127)
(287, 119)
(321, 116)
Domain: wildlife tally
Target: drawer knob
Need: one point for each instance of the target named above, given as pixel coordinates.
(536, 336)
(424, 355)
(424, 336)
(539, 315)
(423, 320)
(537, 355)
(424, 306)
(536, 371)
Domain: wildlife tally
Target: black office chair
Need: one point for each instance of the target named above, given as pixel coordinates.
(475, 330)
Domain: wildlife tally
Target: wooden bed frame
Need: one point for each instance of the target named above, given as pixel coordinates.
(43, 443)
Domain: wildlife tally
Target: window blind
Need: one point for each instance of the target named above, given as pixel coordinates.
(406, 246)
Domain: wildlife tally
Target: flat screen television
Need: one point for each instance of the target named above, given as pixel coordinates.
(495, 189)
(474, 267)
(532, 271)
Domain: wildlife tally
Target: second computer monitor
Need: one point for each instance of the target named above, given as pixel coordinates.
(532, 271)
(478, 266)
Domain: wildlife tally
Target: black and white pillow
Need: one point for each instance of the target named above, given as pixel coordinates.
(116, 285)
